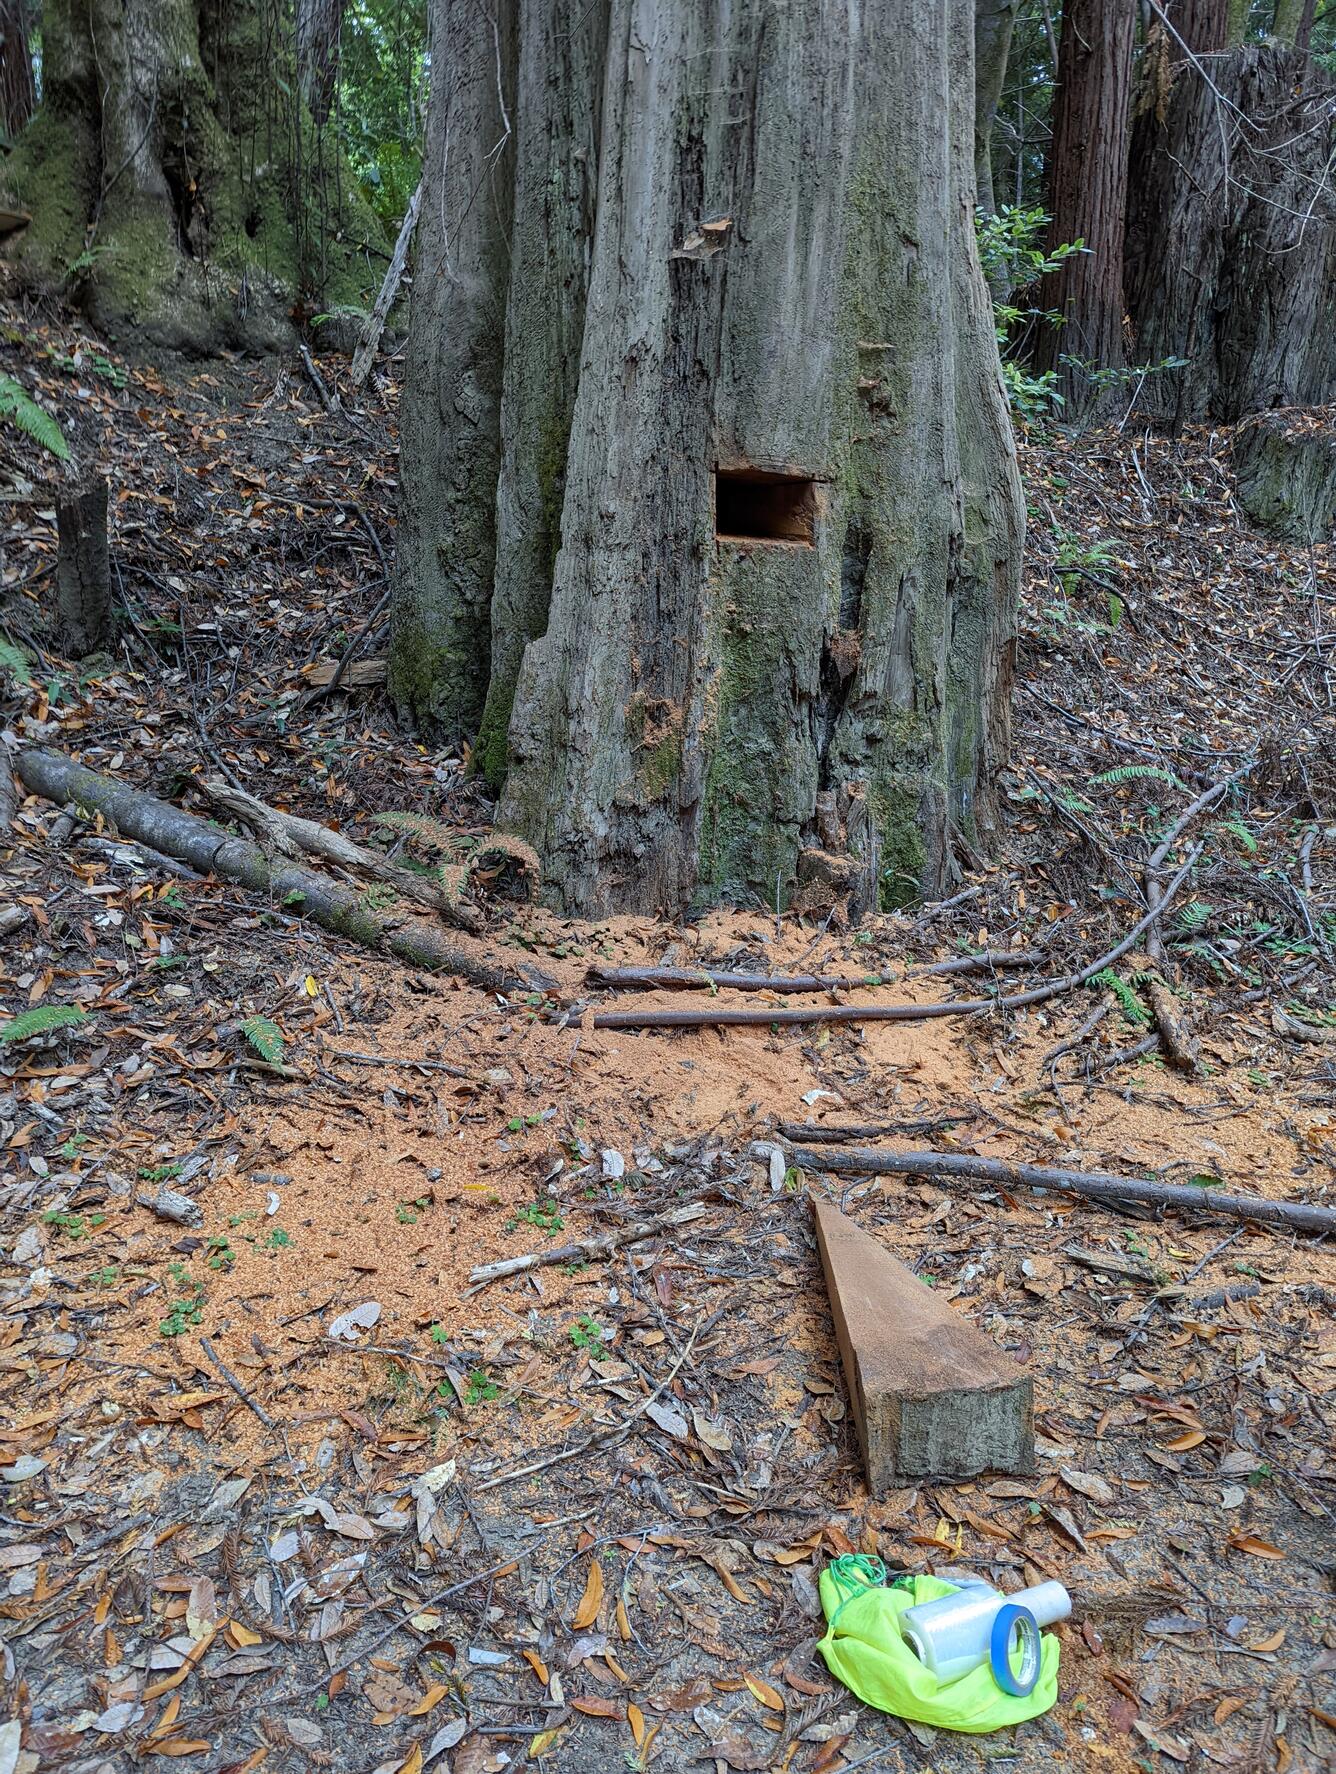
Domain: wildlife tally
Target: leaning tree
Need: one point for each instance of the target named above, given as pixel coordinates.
(710, 521)
(179, 173)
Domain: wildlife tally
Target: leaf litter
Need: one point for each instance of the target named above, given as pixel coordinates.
(574, 1519)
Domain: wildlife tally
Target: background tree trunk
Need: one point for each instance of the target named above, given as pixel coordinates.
(1231, 241)
(319, 23)
(749, 367)
(17, 93)
(1088, 195)
(174, 179)
(993, 23)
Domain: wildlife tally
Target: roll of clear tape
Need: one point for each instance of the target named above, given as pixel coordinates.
(952, 1635)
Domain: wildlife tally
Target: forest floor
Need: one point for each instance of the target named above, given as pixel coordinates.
(573, 1520)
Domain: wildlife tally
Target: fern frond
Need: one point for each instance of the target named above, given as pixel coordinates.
(426, 831)
(1136, 773)
(14, 661)
(265, 1037)
(1196, 913)
(1134, 1011)
(42, 1020)
(22, 411)
(1240, 834)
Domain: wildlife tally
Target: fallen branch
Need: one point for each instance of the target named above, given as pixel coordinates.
(327, 400)
(826, 1132)
(694, 978)
(734, 1016)
(1092, 1185)
(586, 1250)
(1179, 1042)
(186, 838)
(1158, 857)
(990, 961)
(289, 833)
(235, 1383)
(170, 1204)
(369, 343)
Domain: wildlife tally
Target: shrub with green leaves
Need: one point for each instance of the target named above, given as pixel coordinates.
(1014, 259)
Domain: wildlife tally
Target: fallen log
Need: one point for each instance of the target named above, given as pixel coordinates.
(585, 1250)
(289, 833)
(369, 343)
(1092, 1185)
(186, 838)
(736, 1016)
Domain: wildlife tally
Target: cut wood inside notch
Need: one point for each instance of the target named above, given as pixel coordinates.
(757, 505)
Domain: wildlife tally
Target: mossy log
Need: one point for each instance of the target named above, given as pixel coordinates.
(211, 850)
(1285, 472)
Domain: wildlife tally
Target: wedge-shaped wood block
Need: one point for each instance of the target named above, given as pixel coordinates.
(933, 1397)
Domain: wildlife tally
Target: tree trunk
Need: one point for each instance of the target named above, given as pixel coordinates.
(1200, 27)
(17, 93)
(1087, 197)
(85, 621)
(319, 23)
(177, 182)
(993, 22)
(1231, 240)
(1285, 473)
(752, 538)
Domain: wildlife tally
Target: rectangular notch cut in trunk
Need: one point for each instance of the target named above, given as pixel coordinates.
(751, 505)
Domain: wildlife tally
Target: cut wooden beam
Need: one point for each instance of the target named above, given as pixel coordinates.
(933, 1397)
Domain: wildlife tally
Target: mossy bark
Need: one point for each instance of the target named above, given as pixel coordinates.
(178, 185)
(781, 285)
(1285, 472)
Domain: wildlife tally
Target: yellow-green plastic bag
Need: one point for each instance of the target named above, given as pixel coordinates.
(865, 1650)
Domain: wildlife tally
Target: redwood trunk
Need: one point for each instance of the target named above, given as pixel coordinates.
(83, 570)
(17, 94)
(750, 557)
(1231, 242)
(993, 24)
(1088, 196)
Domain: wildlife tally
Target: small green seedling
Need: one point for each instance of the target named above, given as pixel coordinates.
(480, 1390)
(542, 1214)
(587, 1333)
(183, 1315)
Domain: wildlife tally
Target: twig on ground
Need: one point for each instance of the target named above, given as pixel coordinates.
(586, 1250)
(1093, 1185)
(730, 1016)
(327, 400)
(1157, 858)
(235, 1383)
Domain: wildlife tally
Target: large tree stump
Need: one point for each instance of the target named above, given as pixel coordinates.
(1285, 469)
(85, 619)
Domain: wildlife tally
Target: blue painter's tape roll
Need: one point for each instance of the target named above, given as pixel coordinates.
(1008, 1619)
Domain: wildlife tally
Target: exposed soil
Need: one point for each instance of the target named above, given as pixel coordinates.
(203, 1484)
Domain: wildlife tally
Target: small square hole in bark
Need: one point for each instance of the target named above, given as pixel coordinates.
(753, 505)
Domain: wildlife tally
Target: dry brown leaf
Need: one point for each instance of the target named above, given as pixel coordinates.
(1258, 1548)
(537, 1665)
(1228, 1707)
(587, 1612)
(1273, 1643)
(636, 1719)
(412, 1762)
(1191, 1438)
(181, 1746)
(767, 1695)
(433, 1697)
(598, 1707)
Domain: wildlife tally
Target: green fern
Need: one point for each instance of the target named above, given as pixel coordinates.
(426, 831)
(1134, 1011)
(14, 661)
(1136, 773)
(42, 1020)
(1195, 914)
(265, 1037)
(1240, 834)
(18, 406)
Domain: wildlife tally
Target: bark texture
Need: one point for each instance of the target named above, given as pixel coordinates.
(1231, 239)
(17, 94)
(742, 242)
(993, 24)
(1285, 473)
(84, 616)
(1088, 195)
(177, 182)
(319, 23)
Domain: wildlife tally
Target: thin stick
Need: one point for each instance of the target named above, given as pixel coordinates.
(726, 1016)
(369, 343)
(586, 1249)
(695, 978)
(1093, 1185)
(235, 1383)
(1156, 860)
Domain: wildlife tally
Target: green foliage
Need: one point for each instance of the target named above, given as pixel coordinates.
(14, 662)
(1134, 1011)
(265, 1037)
(587, 1333)
(428, 832)
(22, 411)
(73, 1225)
(1135, 773)
(480, 1389)
(382, 99)
(1234, 827)
(43, 1021)
(1195, 914)
(160, 1173)
(1013, 259)
(183, 1314)
(542, 1214)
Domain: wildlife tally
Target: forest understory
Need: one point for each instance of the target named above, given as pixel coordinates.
(285, 1488)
